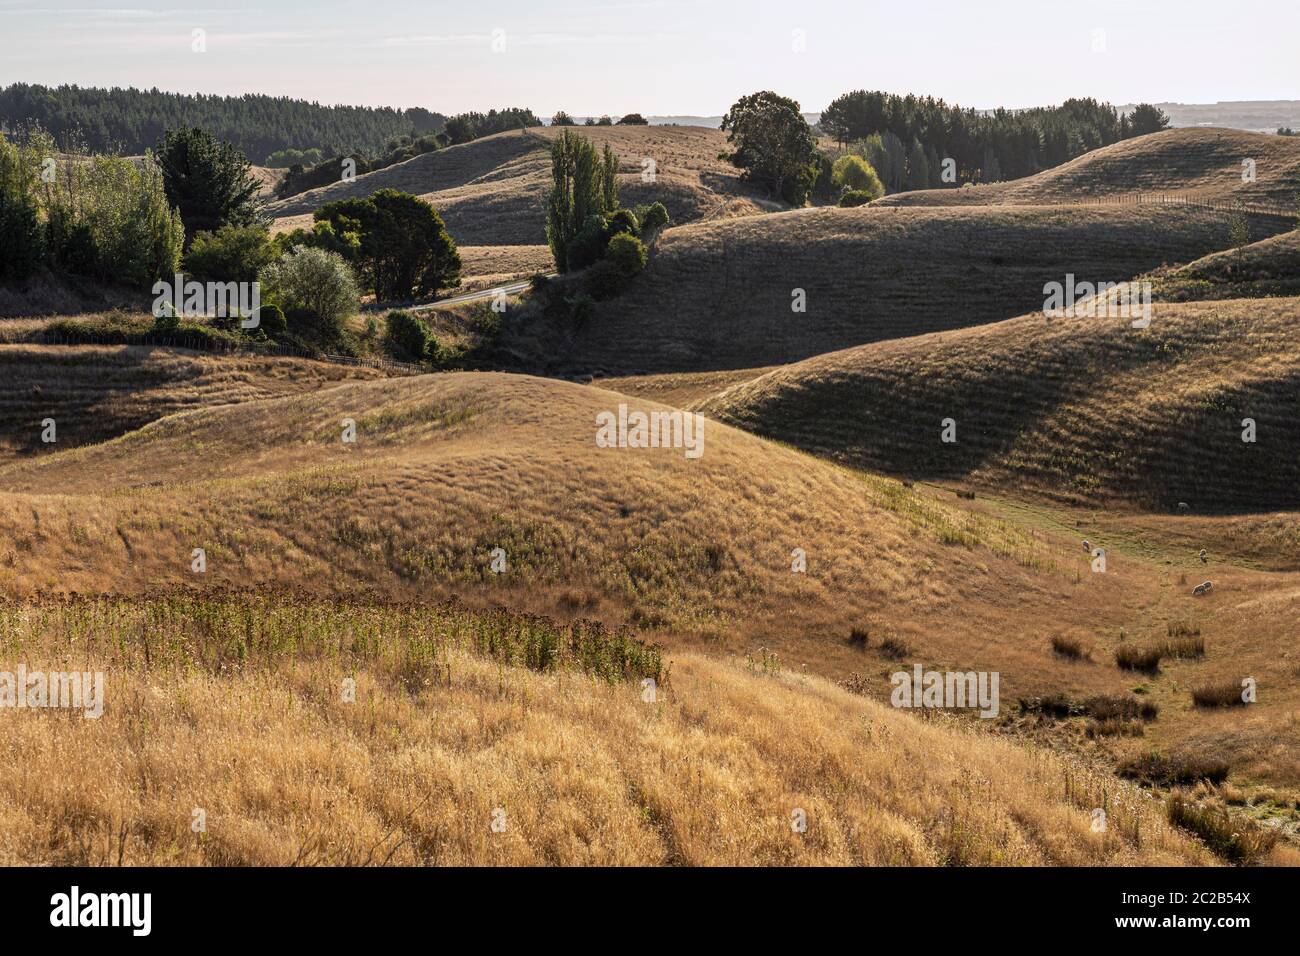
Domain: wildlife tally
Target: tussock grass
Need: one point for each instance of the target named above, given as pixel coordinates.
(1130, 657)
(1230, 836)
(1220, 694)
(238, 711)
(1069, 647)
(1156, 769)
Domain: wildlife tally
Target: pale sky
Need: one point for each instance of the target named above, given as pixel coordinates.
(663, 56)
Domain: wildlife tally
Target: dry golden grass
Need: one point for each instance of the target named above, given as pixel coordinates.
(1202, 163)
(492, 191)
(1269, 267)
(1080, 409)
(96, 392)
(719, 296)
(446, 467)
(486, 266)
(696, 554)
(585, 771)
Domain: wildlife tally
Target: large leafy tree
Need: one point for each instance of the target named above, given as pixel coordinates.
(773, 144)
(207, 180)
(403, 249)
(584, 191)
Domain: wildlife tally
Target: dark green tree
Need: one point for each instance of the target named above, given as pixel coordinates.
(1146, 118)
(403, 251)
(773, 145)
(583, 185)
(208, 181)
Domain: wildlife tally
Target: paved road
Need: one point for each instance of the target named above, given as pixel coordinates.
(475, 296)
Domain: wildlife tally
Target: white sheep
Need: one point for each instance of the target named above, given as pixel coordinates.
(1203, 589)
(1087, 546)
(1204, 559)
(1183, 506)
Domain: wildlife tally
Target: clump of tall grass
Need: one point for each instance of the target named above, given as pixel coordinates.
(222, 629)
(895, 648)
(1132, 658)
(1220, 694)
(1157, 769)
(1234, 839)
(1069, 647)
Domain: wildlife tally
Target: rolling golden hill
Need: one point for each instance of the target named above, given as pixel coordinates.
(1205, 164)
(1077, 409)
(491, 191)
(97, 392)
(722, 295)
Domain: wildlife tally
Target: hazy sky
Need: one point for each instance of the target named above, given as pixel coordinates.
(663, 56)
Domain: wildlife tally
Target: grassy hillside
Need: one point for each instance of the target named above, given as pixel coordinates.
(491, 191)
(1203, 163)
(1076, 409)
(1270, 267)
(447, 467)
(99, 392)
(719, 295)
(247, 721)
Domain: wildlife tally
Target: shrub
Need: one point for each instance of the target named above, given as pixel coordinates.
(1222, 694)
(271, 321)
(1112, 727)
(856, 197)
(315, 282)
(604, 280)
(581, 307)
(407, 335)
(653, 218)
(859, 637)
(231, 254)
(627, 254)
(623, 221)
(852, 173)
(1114, 707)
(588, 245)
(894, 648)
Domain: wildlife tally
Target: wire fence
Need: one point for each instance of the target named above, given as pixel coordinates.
(1182, 199)
(198, 343)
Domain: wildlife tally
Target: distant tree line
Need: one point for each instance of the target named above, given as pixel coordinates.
(131, 121)
(464, 127)
(916, 134)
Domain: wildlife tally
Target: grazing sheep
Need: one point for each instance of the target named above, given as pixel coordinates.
(1183, 506)
(1087, 546)
(1203, 589)
(1204, 559)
